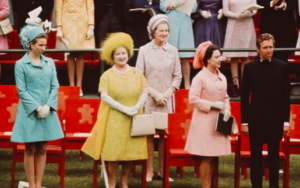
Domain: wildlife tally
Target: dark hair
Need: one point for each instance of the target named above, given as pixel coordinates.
(34, 41)
(152, 32)
(113, 52)
(264, 37)
(209, 52)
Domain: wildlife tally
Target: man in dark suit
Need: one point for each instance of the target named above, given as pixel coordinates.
(278, 19)
(265, 108)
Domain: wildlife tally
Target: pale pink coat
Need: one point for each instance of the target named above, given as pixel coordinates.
(202, 138)
(4, 13)
(162, 69)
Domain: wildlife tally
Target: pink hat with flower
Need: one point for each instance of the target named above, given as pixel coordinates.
(155, 21)
(200, 53)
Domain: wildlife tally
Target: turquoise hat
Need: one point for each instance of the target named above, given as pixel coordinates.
(29, 33)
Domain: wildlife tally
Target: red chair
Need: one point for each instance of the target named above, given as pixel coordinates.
(242, 159)
(79, 120)
(64, 93)
(8, 91)
(175, 155)
(8, 111)
(295, 134)
(236, 113)
(182, 105)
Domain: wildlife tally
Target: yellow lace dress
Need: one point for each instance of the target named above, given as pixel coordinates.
(111, 134)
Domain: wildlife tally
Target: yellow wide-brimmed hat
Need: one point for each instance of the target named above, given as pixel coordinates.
(114, 41)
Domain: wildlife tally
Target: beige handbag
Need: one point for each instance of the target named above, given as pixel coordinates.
(5, 27)
(62, 44)
(142, 125)
(160, 120)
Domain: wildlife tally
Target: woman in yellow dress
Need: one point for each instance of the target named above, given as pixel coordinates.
(123, 93)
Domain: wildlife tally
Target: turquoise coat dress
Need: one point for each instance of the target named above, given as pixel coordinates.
(181, 29)
(37, 85)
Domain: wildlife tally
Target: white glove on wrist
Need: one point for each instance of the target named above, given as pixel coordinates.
(90, 32)
(33, 21)
(158, 97)
(227, 115)
(141, 101)
(218, 105)
(39, 108)
(205, 14)
(130, 111)
(167, 94)
(59, 33)
(220, 14)
(245, 14)
(44, 112)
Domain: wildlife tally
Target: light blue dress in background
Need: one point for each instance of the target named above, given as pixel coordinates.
(181, 30)
(37, 85)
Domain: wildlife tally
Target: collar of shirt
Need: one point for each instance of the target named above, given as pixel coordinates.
(154, 46)
(263, 60)
(27, 59)
(211, 75)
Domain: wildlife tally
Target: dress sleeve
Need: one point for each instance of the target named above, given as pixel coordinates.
(195, 96)
(140, 62)
(226, 10)
(4, 10)
(177, 75)
(52, 99)
(58, 12)
(29, 103)
(103, 85)
(91, 12)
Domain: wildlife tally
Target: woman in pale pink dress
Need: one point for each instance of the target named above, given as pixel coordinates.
(4, 13)
(240, 33)
(208, 95)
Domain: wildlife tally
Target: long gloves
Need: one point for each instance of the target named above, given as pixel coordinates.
(44, 111)
(220, 14)
(221, 106)
(205, 14)
(59, 33)
(130, 111)
(33, 21)
(227, 115)
(142, 101)
(90, 32)
(244, 14)
(161, 98)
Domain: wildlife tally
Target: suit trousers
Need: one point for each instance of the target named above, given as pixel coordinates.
(257, 139)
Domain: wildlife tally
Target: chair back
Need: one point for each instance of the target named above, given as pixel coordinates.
(81, 115)
(182, 102)
(295, 121)
(179, 125)
(64, 93)
(8, 91)
(8, 111)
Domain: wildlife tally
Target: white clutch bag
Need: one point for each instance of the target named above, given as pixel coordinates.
(5, 27)
(160, 120)
(62, 44)
(142, 125)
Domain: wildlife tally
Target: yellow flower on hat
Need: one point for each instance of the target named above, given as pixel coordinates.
(114, 41)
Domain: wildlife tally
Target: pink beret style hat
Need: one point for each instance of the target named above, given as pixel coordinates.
(200, 53)
(155, 21)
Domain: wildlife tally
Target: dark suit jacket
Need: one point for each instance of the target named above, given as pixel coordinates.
(22, 7)
(280, 23)
(265, 96)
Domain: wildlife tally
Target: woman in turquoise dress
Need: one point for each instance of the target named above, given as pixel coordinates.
(37, 121)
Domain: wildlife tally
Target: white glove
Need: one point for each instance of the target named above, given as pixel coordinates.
(218, 105)
(220, 14)
(169, 92)
(227, 115)
(44, 112)
(205, 14)
(158, 97)
(245, 14)
(141, 101)
(130, 111)
(59, 33)
(90, 32)
(33, 21)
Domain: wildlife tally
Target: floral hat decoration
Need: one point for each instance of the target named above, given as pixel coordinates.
(29, 33)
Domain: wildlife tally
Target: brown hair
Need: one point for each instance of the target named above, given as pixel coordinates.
(264, 37)
(34, 41)
(209, 52)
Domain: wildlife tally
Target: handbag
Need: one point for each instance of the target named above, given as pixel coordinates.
(62, 44)
(160, 120)
(142, 125)
(5, 27)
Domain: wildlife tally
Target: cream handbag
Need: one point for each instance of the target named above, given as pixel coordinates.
(5, 27)
(160, 120)
(142, 125)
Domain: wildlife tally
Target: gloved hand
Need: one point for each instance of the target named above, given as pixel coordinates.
(141, 101)
(220, 14)
(59, 33)
(205, 14)
(44, 112)
(33, 21)
(130, 111)
(227, 115)
(244, 14)
(90, 32)
(167, 94)
(218, 105)
(158, 97)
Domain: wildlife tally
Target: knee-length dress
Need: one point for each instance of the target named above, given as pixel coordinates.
(74, 18)
(37, 86)
(181, 30)
(202, 138)
(4, 12)
(111, 134)
(210, 29)
(239, 33)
